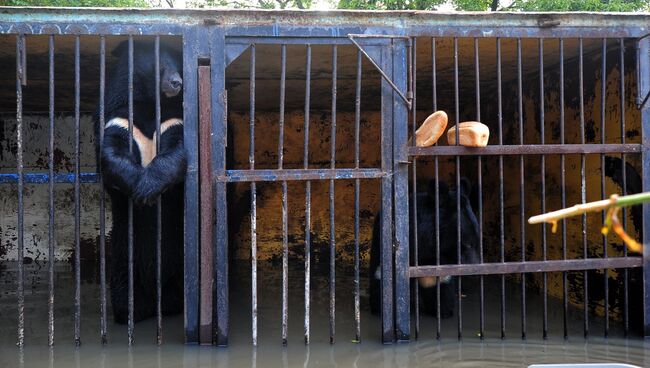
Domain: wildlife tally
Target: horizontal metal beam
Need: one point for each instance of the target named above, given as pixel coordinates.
(530, 149)
(100, 27)
(247, 40)
(525, 267)
(286, 23)
(298, 174)
(45, 178)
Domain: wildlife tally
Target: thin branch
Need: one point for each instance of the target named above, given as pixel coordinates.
(578, 209)
(612, 205)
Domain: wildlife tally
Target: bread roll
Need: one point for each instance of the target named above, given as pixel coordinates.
(472, 134)
(430, 131)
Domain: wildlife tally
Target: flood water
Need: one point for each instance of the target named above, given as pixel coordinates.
(427, 351)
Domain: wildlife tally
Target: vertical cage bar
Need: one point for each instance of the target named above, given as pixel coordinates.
(357, 194)
(77, 202)
(220, 322)
(307, 196)
(603, 91)
(644, 86)
(191, 208)
(102, 196)
(414, 192)
(626, 317)
(434, 92)
(130, 209)
(251, 163)
(480, 194)
(386, 251)
(332, 265)
(458, 232)
(20, 70)
(501, 217)
(522, 219)
(285, 227)
(158, 201)
(206, 273)
(400, 116)
(583, 188)
(50, 304)
(565, 294)
(543, 188)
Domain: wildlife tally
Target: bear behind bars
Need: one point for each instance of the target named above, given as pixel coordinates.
(143, 175)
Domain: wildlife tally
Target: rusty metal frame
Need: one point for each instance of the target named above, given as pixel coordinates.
(381, 49)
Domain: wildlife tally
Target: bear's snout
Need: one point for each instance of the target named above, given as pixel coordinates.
(172, 85)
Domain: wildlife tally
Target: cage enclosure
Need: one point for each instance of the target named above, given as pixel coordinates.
(299, 154)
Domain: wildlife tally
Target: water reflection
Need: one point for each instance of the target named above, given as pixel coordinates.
(489, 353)
(426, 352)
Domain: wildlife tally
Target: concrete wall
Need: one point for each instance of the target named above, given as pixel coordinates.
(35, 160)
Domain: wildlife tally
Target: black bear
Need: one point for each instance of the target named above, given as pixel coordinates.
(143, 175)
(426, 235)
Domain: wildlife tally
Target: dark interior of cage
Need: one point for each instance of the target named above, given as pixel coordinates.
(510, 187)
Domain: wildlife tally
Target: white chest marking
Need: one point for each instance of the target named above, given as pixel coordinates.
(146, 146)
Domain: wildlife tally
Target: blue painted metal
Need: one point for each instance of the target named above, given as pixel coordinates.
(233, 176)
(84, 178)
(644, 87)
(219, 142)
(384, 54)
(308, 24)
(191, 42)
(400, 121)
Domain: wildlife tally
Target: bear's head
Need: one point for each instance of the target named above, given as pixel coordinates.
(449, 217)
(171, 66)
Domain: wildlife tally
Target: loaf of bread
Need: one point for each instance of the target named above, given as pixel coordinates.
(471, 134)
(430, 131)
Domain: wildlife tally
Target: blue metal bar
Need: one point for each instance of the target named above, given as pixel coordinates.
(84, 178)
(190, 133)
(400, 120)
(219, 142)
(248, 40)
(102, 197)
(233, 176)
(644, 86)
(77, 195)
(291, 23)
(307, 325)
(158, 200)
(20, 49)
(51, 257)
(386, 251)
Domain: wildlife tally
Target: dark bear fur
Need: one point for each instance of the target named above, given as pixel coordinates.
(427, 244)
(125, 175)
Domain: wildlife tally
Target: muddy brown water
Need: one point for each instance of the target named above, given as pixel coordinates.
(426, 351)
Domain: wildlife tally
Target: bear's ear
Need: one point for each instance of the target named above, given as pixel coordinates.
(121, 49)
(465, 186)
